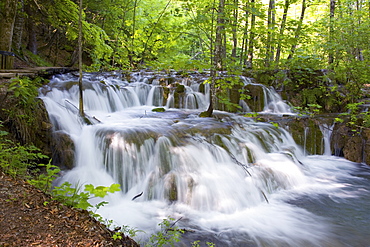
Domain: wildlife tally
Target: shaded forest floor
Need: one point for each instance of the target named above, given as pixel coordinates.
(28, 217)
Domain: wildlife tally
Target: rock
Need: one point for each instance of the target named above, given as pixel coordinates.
(256, 100)
(63, 150)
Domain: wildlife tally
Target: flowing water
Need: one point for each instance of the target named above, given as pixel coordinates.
(228, 180)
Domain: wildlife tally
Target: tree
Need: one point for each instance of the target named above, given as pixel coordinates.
(249, 61)
(244, 46)
(32, 44)
(81, 101)
(270, 33)
(331, 29)
(7, 14)
(281, 32)
(18, 27)
(220, 46)
(298, 29)
(235, 28)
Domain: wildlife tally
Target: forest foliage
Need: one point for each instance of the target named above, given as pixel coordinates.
(183, 33)
(238, 36)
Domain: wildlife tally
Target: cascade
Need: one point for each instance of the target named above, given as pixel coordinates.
(272, 102)
(231, 180)
(326, 131)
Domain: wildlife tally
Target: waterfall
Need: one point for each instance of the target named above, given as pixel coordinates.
(233, 181)
(273, 103)
(326, 131)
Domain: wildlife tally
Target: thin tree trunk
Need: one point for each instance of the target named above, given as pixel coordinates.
(281, 33)
(245, 38)
(7, 24)
(131, 50)
(32, 39)
(220, 49)
(358, 50)
(18, 27)
(235, 28)
(331, 30)
(81, 105)
(249, 62)
(270, 33)
(212, 95)
(298, 30)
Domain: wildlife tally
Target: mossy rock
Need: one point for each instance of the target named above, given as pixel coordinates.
(63, 150)
(159, 109)
(180, 88)
(205, 114)
(257, 98)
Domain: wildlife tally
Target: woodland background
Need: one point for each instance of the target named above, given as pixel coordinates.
(287, 43)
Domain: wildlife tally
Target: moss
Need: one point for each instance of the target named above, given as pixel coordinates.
(172, 188)
(180, 88)
(205, 114)
(159, 109)
(25, 116)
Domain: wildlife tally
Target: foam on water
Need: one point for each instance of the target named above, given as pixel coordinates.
(230, 180)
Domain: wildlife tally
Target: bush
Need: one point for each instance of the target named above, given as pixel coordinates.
(17, 160)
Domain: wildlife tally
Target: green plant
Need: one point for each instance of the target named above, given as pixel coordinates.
(23, 108)
(25, 90)
(127, 230)
(18, 160)
(355, 117)
(275, 124)
(310, 109)
(73, 196)
(124, 230)
(168, 236)
(117, 235)
(197, 244)
(44, 180)
(314, 108)
(69, 195)
(251, 114)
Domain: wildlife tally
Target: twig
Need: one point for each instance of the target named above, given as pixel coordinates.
(174, 223)
(264, 195)
(137, 196)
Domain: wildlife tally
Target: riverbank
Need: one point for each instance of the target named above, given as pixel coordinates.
(28, 217)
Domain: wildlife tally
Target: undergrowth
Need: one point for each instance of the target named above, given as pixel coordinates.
(18, 160)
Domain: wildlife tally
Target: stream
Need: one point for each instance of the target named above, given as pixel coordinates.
(229, 180)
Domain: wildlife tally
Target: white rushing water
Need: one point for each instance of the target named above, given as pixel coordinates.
(227, 180)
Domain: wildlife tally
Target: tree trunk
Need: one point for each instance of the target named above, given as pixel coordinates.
(220, 49)
(249, 62)
(214, 57)
(298, 30)
(270, 33)
(235, 28)
(18, 27)
(243, 58)
(131, 49)
(32, 39)
(331, 30)
(358, 51)
(7, 24)
(281, 33)
(81, 105)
